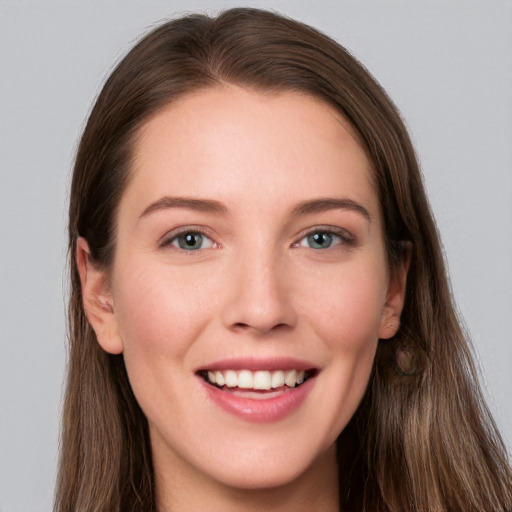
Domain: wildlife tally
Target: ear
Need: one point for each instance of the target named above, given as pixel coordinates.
(390, 319)
(97, 299)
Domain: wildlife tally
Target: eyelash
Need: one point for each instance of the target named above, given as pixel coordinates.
(174, 236)
(345, 238)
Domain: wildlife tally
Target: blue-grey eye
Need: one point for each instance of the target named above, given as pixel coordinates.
(191, 241)
(321, 240)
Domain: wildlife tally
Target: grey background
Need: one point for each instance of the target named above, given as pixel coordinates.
(447, 65)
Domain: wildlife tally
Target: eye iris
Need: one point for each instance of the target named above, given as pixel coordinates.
(190, 241)
(320, 240)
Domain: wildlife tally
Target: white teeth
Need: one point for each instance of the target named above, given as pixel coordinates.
(290, 378)
(261, 380)
(277, 379)
(219, 379)
(231, 379)
(245, 380)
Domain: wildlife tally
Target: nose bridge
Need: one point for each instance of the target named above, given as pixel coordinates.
(259, 297)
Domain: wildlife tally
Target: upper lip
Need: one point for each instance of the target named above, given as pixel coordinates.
(255, 364)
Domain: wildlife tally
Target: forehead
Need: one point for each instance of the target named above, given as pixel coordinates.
(229, 141)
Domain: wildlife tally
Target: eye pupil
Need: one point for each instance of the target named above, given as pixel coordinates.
(190, 241)
(320, 240)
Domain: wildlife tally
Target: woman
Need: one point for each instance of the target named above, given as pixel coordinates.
(260, 316)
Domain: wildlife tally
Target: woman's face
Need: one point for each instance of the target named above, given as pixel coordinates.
(249, 286)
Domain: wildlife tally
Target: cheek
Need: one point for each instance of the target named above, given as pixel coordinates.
(159, 313)
(346, 308)
(346, 316)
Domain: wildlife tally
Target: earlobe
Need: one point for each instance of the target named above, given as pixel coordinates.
(97, 299)
(390, 319)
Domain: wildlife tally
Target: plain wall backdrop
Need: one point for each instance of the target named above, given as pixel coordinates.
(448, 67)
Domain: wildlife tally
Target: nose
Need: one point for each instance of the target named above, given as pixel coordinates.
(259, 298)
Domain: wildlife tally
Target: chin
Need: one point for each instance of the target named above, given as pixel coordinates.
(282, 470)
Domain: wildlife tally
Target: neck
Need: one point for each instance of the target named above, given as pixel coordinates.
(314, 490)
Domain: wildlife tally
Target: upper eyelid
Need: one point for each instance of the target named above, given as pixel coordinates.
(171, 235)
(335, 230)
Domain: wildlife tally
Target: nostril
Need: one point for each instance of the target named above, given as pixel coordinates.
(241, 326)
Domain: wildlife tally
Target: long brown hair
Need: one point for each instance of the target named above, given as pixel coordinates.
(422, 438)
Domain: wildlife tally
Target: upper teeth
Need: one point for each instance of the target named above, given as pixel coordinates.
(261, 379)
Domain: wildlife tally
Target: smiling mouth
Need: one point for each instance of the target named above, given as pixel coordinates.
(258, 381)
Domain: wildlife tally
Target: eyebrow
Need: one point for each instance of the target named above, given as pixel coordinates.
(211, 206)
(200, 205)
(330, 203)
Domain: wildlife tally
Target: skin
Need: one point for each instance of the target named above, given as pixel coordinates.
(256, 288)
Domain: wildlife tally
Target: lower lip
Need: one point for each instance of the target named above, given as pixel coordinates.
(263, 410)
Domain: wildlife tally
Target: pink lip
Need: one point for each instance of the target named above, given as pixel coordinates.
(264, 410)
(260, 411)
(271, 364)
